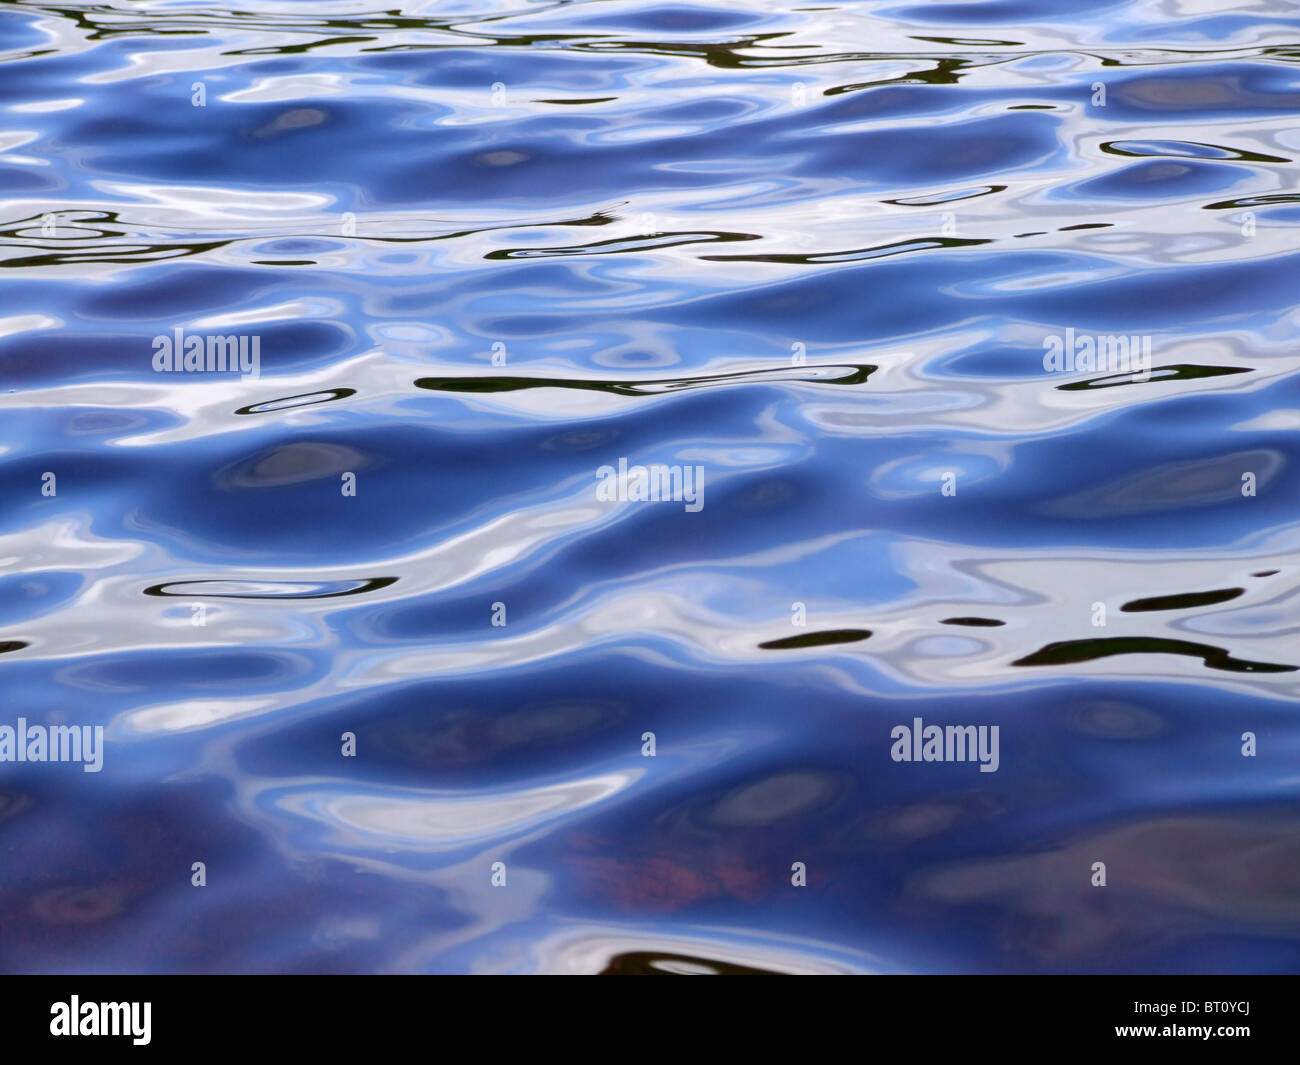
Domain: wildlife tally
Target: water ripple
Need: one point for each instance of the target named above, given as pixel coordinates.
(369, 634)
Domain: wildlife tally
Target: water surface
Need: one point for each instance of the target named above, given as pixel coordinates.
(489, 246)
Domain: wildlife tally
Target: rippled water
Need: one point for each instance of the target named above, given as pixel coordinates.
(818, 251)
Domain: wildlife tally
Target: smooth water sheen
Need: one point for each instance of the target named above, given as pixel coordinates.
(489, 246)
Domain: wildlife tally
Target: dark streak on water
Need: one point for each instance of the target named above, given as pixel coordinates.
(1055, 654)
(816, 639)
(1183, 601)
(492, 245)
(838, 375)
